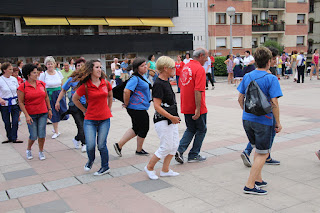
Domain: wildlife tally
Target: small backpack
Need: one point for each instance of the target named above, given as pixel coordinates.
(118, 90)
(256, 101)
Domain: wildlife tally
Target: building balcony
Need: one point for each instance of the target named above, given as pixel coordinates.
(276, 4)
(268, 28)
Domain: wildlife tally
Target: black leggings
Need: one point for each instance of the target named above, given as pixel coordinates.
(283, 71)
(78, 117)
(210, 79)
(140, 122)
(301, 74)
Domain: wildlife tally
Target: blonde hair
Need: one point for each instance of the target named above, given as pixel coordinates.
(164, 61)
(49, 59)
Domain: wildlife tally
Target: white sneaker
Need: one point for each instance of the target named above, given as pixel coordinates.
(152, 174)
(41, 156)
(169, 174)
(76, 143)
(55, 135)
(29, 155)
(84, 148)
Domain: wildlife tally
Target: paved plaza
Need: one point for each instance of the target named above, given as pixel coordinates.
(59, 184)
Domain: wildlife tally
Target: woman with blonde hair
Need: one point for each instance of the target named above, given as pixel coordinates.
(53, 80)
(166, 119)
(96, 124)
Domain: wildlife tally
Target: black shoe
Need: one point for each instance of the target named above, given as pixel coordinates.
(178, 157)
(7, 141)
(49, 122)
(142, 153)
(102, 171)
(261, 184)
(117, 149)
(63, 115)
(17, 141)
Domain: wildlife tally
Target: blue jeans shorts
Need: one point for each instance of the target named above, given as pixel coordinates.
(259, 135)
(38, 127)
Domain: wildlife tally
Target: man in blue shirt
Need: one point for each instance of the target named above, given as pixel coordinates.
(259, 128)
(124, 65)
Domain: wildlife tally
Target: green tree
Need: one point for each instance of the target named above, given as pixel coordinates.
(270, 43)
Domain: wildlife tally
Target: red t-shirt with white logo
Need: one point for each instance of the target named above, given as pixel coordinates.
(97, 100)
(179, 67)
(34, 98)
(192, 77)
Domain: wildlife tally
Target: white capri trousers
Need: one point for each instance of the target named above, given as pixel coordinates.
(169, 138)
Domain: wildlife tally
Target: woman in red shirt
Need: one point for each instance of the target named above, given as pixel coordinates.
(35, 104)
(98, 94)
(179, 66)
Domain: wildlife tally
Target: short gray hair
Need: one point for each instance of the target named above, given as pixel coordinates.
(49, 59)
(199, 51)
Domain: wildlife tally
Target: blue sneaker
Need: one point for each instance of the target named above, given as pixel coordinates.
(102, 171)
(261, 184)
(255, 191)
(198, 158)
(272, 162)
(245, 159)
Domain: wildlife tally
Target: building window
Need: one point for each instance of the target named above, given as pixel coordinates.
(310, 26)
(221, 18)
(237, 18)
(6, 26)
(237, 42)
(254, 43)
(300, 40)
(221, 42)
(301, 18)
(273, 39)
(311, 6)
(254, 19)
(301, 1)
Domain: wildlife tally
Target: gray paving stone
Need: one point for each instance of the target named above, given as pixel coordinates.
(147, 186)
(62, 183)
(56, 206)
(309, 132)
(238, 147)
(281, 139)
(313, 120)
(88, 178)
(219, 151)
(294, 136)
(3, 196)
(19, 174)
(123, 171)
(141, 166)
(26, 190)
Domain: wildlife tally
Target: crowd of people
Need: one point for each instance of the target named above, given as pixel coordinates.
(42, 97)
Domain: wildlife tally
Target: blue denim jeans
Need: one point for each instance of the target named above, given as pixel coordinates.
(37, 129)
(212, 73)
(249, 148)
(91, 128)
(177, 80)
(197, 129)
(11, 125)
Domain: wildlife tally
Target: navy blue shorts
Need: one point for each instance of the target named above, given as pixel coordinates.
(259, 135)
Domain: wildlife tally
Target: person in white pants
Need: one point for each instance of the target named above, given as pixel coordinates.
(166, 119)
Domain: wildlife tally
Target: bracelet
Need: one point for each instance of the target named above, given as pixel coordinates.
(50, 109)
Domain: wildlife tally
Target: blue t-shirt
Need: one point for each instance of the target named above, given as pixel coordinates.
(269, 85)
(140, 98)
(71, 84)
(124, 65)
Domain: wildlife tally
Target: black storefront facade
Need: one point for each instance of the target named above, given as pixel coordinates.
(99, 41)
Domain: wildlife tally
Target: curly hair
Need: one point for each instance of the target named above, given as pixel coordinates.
(84, 74)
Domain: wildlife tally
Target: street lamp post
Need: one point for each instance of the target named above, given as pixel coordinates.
(231, 11)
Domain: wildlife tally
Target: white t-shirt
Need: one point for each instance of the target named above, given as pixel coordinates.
(118, 72)
(185, 61)
(236, 61)
(8, 88)
(73, 67)
(207, 65)
(113, 83)
(247, 60)
(52, 81)
(299, 58)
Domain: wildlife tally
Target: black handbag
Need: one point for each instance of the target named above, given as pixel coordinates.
(256, 102)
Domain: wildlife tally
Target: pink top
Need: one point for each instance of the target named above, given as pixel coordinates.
(316, 59)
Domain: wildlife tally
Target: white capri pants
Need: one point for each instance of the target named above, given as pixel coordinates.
(169, 138)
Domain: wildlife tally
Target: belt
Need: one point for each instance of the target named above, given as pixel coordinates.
(51, 90)
(10, 101)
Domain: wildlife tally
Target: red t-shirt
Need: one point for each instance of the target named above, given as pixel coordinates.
(97, 100)
(192, 77)
(212, 61)
(20, 80)
(179, 67)
(34, 98)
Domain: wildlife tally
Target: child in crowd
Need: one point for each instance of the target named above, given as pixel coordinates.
(118, 73)
(113, 82)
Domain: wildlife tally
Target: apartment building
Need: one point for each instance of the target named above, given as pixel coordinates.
(257, 21)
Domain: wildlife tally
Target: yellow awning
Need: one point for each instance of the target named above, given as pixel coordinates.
(46, 21)
(87, 21)
(124, 22)
(157, 22)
